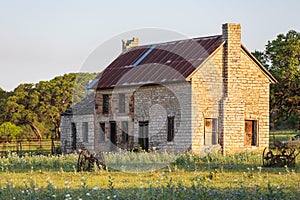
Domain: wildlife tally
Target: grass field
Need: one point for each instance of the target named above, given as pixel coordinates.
(186, 176)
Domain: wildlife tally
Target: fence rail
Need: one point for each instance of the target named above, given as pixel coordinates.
(44, 146)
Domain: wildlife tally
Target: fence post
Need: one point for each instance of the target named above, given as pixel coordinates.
(17, 147)
(40, 146)
(21, 148)
(52, 146)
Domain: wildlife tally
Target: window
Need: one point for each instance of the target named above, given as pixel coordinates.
(125, 131)
(121, 103)
(113, 132)
(74, 138)
(102, 132)
(85, 133)
(251, 133)
(170, 129)
(210, 131)
(144, 135)
(105, 104)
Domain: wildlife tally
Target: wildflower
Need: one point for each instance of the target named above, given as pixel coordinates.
(108, 197)
(82, 179)
(235, 180)
(53, 195)
(87, 194)
(115, 196)
(68, 195)
(163, 173)
(66, 182)
(36, 188)
(95, 188)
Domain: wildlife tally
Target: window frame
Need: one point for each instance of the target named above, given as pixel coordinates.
(85, 131)
(102, 131)
(254, 134)
(122, 103)
(124, 131)
(105, 104)
(214, 131)
(170, 128)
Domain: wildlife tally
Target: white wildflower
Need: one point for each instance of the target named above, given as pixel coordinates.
(95, 188)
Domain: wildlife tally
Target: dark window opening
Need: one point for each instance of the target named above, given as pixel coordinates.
(170, 129)
(102, 132)
(105, 104)
(74, 138)
(113, 132)
(143, 135)
(85, 132)
(251, 133)
(125, 131)
(211, 131)
(121, 103)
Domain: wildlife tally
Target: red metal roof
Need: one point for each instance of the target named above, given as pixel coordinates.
(158, 63)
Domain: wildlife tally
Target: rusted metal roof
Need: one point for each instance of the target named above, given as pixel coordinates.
(158, 63)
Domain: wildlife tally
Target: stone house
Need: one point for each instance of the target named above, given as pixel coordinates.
(183, 95)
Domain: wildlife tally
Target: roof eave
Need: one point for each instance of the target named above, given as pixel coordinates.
(264, 70)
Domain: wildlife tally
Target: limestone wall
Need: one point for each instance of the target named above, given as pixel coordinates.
(66, 132)
(152, 103)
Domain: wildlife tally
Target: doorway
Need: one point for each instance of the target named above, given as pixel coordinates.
(113, 132)
(74, 138)
(144, 135)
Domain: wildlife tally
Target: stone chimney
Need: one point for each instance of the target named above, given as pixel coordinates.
(231, 34)
(127, 44)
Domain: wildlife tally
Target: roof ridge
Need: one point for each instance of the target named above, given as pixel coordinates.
(174, 41)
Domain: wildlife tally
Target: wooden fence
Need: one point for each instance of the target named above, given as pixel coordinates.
(32, 147)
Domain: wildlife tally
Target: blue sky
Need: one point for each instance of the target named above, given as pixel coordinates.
(42, 39)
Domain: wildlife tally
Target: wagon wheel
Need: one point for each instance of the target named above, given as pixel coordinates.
(267, 157)
(83, 163)
(101, 161)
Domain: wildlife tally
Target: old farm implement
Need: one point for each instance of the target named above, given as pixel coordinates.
(283, 154)
(88, 161)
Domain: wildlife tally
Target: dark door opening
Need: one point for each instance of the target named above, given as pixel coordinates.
(102, 132)
(74, 139)
(113, 132)
(144, 135)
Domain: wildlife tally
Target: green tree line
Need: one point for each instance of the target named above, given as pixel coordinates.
(282, 58)
(33, 110)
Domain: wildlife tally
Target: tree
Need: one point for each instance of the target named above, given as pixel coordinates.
(282, 58)
(38, 106)
(9, 131)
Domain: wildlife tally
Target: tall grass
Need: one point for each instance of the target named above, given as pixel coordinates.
(187, 176)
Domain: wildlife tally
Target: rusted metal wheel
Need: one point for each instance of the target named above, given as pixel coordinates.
(267, 157)
(83, 162)
(87, 161)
